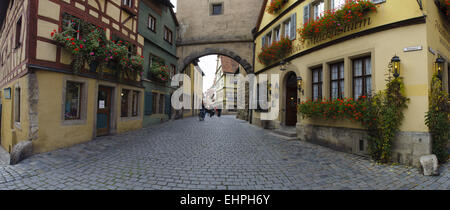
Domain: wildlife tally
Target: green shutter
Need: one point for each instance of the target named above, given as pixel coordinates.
(148, 103)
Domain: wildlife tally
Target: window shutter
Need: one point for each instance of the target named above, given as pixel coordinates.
(148, 105)
(168, 105)
(306, 15)
(263, 41)
(293, 26)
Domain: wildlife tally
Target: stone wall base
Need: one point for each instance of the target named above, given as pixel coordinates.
(407, 148)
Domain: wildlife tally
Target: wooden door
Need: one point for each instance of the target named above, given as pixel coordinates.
(291, 100)
(103, 111)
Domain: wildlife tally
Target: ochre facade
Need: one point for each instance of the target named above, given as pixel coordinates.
(377, 38)
(38, 72)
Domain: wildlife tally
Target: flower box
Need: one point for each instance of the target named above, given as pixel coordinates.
(159, 72)
(277, 51)
(275, 6)
(350, 12)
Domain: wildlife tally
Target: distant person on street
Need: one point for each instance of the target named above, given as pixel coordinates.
(219, 112)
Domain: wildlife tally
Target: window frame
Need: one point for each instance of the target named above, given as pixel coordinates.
(214, 5)
(80, 96)
(150, 18)
(135, 103)
(130, 3)
(126, 107)
(341, 89)
(18, 41)
(316, 4)
(167, 31)
(363, 76)
(319, 83)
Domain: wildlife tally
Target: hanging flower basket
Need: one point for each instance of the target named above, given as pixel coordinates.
(159, 72)
(277, 51)
(351, 12)
(275, 6)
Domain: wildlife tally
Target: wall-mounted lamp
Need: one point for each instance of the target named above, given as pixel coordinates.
(300, 84)
(395, 61)
(439, 65)
(283, 65)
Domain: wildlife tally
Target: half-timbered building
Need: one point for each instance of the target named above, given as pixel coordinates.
(44, 100)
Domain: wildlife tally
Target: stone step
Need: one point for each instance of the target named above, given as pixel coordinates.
(287, 132)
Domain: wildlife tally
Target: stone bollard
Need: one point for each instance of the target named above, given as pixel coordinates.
(429, 165)
(20, 151)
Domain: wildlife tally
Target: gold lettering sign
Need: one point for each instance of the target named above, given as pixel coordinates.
(321, 38)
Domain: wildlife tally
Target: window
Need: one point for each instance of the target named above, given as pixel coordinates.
(135, 104)
(337, 4)
(152, 23)
(74, 22)
(154, 100)
(173, 70)
(319, 9)
(269, 39)
(18, 32)
(362, 77)
(168, 35)
(217, 9)
(337, 81)
(73, 101)
(124, 103)
(317, 83)
(161, 104)
(128, 3)
(277, 33)
(17, 104)
(287, 28)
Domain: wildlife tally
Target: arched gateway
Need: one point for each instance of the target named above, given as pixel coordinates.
(221, 27)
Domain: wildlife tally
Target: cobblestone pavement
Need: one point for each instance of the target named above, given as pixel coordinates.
(218, 153)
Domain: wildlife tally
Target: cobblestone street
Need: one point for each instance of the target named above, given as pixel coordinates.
(218, 153)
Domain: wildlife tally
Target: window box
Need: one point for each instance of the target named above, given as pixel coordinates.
(276, 6)
(276, 51)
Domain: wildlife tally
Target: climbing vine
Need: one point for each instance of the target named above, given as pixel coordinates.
(438, 119)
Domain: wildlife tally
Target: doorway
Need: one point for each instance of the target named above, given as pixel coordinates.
(104, 111)
(291, 99)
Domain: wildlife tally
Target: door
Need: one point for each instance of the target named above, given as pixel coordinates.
(291, 100)
(104, 111)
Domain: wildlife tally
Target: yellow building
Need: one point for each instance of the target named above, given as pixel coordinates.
(44, 100)
(193, 89)
(330, 65)
(226, 85)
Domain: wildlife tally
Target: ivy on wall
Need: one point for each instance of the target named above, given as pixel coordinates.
(438, 118)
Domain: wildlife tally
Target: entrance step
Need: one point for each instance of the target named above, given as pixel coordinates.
(288, 132)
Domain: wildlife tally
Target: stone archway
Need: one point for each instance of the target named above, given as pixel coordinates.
(212, 51)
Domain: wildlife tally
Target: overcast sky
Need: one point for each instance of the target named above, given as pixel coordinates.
(208, 65)
(174, 2)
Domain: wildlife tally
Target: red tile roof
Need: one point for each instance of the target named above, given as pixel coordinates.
(229, 66)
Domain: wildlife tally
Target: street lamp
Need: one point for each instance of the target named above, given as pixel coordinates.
(300, 84)
(395, 61)
(439, 65)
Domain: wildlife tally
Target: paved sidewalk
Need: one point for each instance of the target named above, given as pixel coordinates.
(218, 153)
